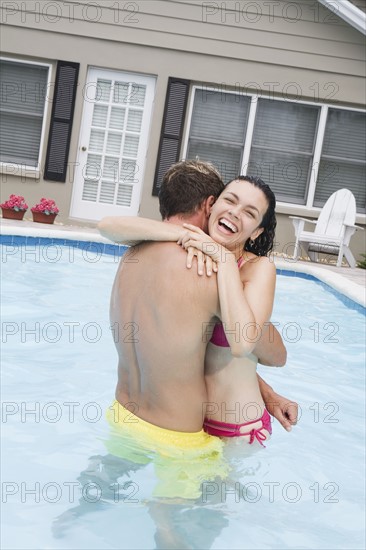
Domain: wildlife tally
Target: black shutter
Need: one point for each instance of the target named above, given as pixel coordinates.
(61, 121)
(172, 128)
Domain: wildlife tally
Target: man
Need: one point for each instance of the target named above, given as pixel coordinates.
(161, 364)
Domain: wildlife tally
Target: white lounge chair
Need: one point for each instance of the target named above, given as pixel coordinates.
(333, 229)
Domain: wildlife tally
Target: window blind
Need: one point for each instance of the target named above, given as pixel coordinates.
(343, 158)
(282, 147)
(217, 134)
(22, 100)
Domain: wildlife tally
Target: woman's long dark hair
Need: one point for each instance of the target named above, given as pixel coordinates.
(263, 244)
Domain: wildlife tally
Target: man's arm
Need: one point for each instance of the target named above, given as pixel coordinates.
(284, 410)
(270, 348)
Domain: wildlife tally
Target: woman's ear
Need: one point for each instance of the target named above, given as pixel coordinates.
(256, 233)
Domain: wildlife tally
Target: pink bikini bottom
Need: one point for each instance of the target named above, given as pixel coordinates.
(223, 429)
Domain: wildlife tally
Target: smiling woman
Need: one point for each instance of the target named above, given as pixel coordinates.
(239, 210)
(253, 204)
(241, 215)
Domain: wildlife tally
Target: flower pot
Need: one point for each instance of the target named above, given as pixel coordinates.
(40, 217)
(11, 214)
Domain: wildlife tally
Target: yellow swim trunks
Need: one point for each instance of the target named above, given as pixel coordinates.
(182, 460)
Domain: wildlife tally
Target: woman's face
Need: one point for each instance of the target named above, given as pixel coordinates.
(236, 214)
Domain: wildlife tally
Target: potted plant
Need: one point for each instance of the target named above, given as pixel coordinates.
(45, 212)
(14, 208)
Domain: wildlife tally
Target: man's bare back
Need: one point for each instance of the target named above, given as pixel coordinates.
(162, 310)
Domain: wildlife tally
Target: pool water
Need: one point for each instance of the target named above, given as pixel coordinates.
(61, 488)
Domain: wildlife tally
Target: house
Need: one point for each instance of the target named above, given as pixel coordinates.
(99, 98)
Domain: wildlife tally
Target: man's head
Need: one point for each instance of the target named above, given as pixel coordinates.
(186, 186)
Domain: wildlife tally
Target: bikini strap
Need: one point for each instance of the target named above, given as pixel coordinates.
(240, 262)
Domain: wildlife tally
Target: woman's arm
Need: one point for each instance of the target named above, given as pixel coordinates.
(236, 314)
(246, 306)
(259, 282)
(243, 312)
(132, 230)
(270, 349)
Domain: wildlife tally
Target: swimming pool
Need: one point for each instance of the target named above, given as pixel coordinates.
(61, 489)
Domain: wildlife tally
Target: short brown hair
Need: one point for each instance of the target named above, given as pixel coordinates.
(186, 185)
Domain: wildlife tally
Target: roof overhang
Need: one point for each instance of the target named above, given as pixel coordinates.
(348, 12)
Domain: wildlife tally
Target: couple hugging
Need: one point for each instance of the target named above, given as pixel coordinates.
(187, 370)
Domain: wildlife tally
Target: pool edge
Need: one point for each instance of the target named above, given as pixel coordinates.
(351, 290)
(17, 235)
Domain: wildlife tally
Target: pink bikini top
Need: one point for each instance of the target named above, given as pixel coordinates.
(218, 336)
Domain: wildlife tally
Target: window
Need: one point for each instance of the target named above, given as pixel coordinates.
(282, 142)
(218, 127)
(283, 147)
(22, 105)
(342, 162)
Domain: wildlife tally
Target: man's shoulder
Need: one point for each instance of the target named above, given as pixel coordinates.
(171, 260)
(151, 249)
(163, 264)
(168, 252)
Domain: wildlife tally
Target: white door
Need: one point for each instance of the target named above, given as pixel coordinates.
(113, 144)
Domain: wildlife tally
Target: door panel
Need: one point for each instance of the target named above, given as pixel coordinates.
(113, 144)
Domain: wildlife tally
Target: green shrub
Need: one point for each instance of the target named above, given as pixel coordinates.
(362, 263)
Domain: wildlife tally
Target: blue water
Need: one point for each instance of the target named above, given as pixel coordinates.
(61, 489)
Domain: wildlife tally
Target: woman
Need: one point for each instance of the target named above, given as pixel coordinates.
(241, 232)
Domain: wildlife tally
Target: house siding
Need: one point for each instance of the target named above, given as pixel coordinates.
(295, 49)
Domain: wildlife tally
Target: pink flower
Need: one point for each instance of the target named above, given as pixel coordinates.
(15, 202)
(47, 206)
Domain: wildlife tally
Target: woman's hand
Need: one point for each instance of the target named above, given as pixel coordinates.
(195, 238)
(285, 411)
(202, 260)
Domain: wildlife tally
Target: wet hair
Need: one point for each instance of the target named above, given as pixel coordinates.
(186, 185)
(263, 244)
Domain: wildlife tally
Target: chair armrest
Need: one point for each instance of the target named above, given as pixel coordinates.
(299, 224)
(354, 226)
(303, 219)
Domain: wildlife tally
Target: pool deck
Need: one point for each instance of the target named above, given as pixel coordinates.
(348, 281)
